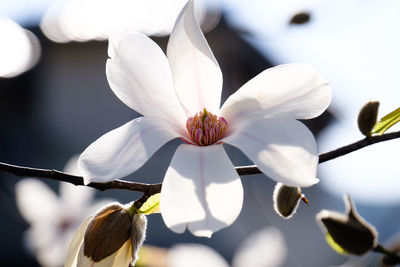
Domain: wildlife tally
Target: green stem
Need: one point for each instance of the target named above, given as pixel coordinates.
(139, 202)
(132, 209)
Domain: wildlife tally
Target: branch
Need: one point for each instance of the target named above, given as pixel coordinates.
(390, 258)
(150, 189)
(357, 145)
(341, 151)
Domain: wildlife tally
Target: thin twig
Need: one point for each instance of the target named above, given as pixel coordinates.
(150, 189)
(341, 151)
(357, 145)
(390, 258)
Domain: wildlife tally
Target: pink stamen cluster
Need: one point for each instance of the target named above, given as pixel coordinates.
(206, 128)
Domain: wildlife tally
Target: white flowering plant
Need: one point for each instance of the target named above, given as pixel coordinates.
(178, 94)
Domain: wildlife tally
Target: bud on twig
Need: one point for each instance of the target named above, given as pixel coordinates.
(286, 200)
(300, 18)
(367, 117)
(112, 237)
(347, 233)
(113, 220)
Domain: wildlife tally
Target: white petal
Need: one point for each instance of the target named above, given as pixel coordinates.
(36, 201)
(264, 248)
(53, 255)
(139, 74)
(122, 257)
(283, 149)
(124, 150)
(196, 73)
(201, 189)
(81, 260)
(41, 235)
(76, 245)
(194, 255)
(291, 90)
(76, 199)
(71, 166)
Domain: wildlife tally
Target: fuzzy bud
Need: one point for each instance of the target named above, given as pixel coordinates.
(111, 237)
(286, 200)
(300, 18)
(367, 117)
(347, 233)
(107, 232)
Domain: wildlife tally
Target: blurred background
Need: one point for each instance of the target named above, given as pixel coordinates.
(55, 101)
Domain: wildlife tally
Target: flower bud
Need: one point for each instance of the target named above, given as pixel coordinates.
(347, 233)
(107, 232)
(112, 237)
(367, 117)
(286, 200)
(300, 18)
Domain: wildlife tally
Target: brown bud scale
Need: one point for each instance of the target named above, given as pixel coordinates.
(107, 232)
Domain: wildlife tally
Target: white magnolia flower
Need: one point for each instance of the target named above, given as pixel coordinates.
(53, 219)
(179, 96)
(84, 20)
(263, 248)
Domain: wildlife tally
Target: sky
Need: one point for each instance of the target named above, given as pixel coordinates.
(24, 12)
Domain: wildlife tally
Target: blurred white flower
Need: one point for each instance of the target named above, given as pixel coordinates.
(53, 219)
(19, 49)
(179, 96)
(194, 255)
(83, 20)
(263, 248)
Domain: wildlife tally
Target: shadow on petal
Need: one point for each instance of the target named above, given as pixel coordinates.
(201, 188)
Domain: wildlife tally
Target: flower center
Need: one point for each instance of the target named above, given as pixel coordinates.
(206, 128)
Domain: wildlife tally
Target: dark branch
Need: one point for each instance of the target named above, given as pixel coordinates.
(390, 258)
(341, 151)
(357, 145)
(150, 189)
